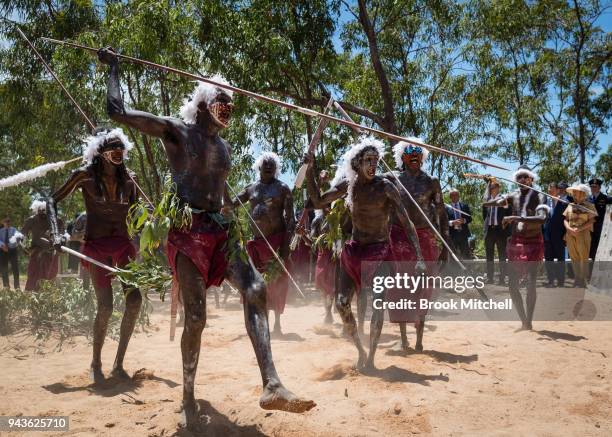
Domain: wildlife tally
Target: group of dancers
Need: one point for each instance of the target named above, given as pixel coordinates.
(379, 219)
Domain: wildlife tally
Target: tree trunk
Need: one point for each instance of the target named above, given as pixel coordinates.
(389, 123)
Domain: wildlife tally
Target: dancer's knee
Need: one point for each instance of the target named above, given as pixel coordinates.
(343, 303)
(255, 293)
(133, 301)
(195, 316)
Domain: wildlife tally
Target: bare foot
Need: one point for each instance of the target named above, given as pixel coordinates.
(190, 417)
(369, 365)
(361, 361)
(328, 319)
(524, 327)
(120, 373)
(96, 375)
(277, 397)
(401, 346)
(419, 347)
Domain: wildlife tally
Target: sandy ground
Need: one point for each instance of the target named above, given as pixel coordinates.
(474, 378)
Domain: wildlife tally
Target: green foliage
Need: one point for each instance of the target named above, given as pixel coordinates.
(512, 79)
(153, 226)
(603, 169)
(334, 237)
(148, 274)
(64, 310)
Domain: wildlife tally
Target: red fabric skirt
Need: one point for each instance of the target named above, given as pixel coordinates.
(43, 265)
(325, 273)
(404, 252)
(300, 261)
(260, 253)
(204, 245)
(523, 249)
(112, 251)
(354, 254)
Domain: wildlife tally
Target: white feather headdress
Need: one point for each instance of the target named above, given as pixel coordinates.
(347, 167)
(38, 205)
(524, 170)
(266, 156)
(93, 143)
(398, 151)
(338, 177)
(204, 92)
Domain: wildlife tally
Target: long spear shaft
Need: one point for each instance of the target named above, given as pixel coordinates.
(52, 73)
(85, 257)
(316, 138)
(580, 207)
(92, 126)
(290, 106)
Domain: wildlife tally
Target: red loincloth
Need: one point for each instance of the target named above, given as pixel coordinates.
(276, 290)
(521, 251)
(325, 273)
(204, 245)
(404, 252)
(112, 251)
(355, 254)
(43, 265)
(300, 261)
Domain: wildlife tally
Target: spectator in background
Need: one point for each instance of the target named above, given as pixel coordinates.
(494, 234)
(556, 231)
(459, 217)
(579, 224)
(548, 244)
(9, 242)
(43, 263)
(600, 200)
(76, 229)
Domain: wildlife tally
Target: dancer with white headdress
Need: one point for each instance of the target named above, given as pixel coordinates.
(372, 200)
(271, 204)
(109, 191)
(426, 191)
(44, 262)
(200, 161)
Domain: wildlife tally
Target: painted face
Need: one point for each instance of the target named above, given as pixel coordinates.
(220, 108)
(525, 179)
(113, 153)
(412, 157)
(367, 164)
(268, 169)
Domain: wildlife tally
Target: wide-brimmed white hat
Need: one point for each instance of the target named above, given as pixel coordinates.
(579, 187)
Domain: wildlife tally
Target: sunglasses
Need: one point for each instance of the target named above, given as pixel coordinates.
(413, 149)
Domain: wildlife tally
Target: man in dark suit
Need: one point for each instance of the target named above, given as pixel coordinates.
(459, 217)
(494, 234)
(554, 231)
(600, 200)
(9, 242)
